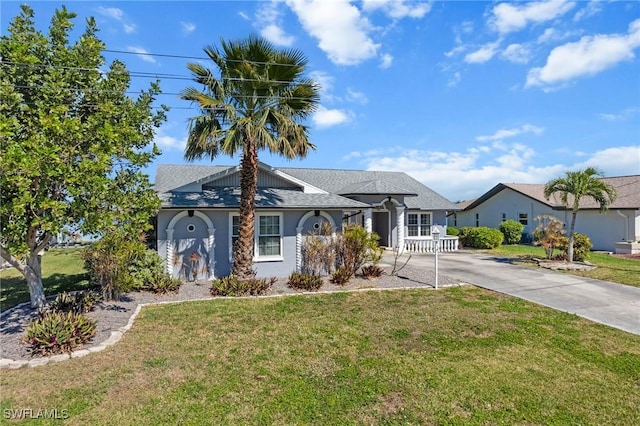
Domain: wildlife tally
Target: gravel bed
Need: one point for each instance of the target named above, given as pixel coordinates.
(112, 315)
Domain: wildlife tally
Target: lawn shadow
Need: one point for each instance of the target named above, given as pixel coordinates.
(14, 290)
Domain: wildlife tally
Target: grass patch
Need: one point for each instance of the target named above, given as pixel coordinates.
(62, 270)
(609, 268)
(457, 356)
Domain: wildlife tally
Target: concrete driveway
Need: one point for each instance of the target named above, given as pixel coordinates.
(608, 303)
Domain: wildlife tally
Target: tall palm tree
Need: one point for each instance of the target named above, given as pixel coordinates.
(257, 100)
(573, 187)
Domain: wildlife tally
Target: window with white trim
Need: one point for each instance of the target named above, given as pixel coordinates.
(267, 237)
(523, 218)
(418, 224)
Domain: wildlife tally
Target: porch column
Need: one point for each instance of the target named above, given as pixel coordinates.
(400, 227)
(299, 249)
(368, 224)
(211, 244)
(169, 255)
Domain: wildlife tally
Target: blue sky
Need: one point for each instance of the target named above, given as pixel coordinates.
(460, 95)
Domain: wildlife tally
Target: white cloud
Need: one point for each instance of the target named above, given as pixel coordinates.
(187, 27)
(398, 9)
(616, 161)
(357, 97)
(324, 117)
(509, 133)
(119, 16)
(620, 116)
(342, 32)
(325, 80)
(551, 34)
(458, 49)
(592, 8)
(454, 80)
(517, 53)
(510, 17)
(468, 174)
(142, 53)
(167, 142)
(244, 16)
(111, 12)
(483, 54)
(588, 56)
(269, 22)
(385, 61)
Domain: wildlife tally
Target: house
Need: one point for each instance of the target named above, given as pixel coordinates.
(525, 202)
(197, 224)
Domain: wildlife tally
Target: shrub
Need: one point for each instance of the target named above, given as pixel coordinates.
(581, 246)
(453, 231)
(56, 332)
(372, 271)
(341, 276)
(234, 286)
(147, 273)
(512, 231)
(302, 281)
(481, 237)
(549, 234)
(109, 262)
(318, 255)
(80, 302)
(354, 247)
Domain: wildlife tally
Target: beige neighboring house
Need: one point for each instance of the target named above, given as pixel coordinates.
(525, 202)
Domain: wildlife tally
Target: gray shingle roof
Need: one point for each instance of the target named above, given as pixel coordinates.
(334, 181)
(265, 197)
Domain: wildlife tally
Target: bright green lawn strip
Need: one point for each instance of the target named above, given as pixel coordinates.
(456, 356)
(62, 270)
(609, 268)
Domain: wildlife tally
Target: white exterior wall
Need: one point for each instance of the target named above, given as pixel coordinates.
(604, 230)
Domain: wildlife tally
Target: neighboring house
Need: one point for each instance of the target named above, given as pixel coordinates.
(198, 221)
(525, 202)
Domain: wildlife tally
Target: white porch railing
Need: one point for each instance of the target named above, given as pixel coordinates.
(420, 245)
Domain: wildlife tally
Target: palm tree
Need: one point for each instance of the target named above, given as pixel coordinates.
(575, 186)
(258, 100)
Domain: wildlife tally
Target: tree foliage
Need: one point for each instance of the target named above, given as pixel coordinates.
(257, 99)
(73, 143)
(573, 188)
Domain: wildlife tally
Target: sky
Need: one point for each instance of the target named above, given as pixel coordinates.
(461, 95)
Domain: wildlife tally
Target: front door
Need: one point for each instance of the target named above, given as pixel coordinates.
(380, 225)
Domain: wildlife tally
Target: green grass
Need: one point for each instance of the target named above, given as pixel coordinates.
(62, 270)
(455, 356)
(609, 268)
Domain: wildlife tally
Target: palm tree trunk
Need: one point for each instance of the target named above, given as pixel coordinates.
(571, 232)
(243, 251)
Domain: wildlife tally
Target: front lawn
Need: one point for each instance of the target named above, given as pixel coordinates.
(455, 356)
(609, 268)
(62, 270)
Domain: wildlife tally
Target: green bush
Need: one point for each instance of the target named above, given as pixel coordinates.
(581, 246)
(481, 237)
(234, 286)
(80, 302)
(109, 262)
(372, 271)
(147, 272)
(453, 231)
(341, 276)
(56, 332)
(301, 281)
(353, 248)
(512, 231)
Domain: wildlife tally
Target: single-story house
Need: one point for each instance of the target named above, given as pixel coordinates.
(525, 202)
(197, 224)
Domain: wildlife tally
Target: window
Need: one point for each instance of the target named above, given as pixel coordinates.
(267, 238)
(418, 224)
(523, 218)
(504, 217)
(455, 219)
(477, 219)
(269, 235)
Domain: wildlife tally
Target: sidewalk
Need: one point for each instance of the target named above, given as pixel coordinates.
(608, 303)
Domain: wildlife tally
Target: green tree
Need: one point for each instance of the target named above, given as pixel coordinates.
(257, 100)
(73, 144)
(574, 187)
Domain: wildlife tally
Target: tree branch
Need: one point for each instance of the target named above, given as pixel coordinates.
(12, 260)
